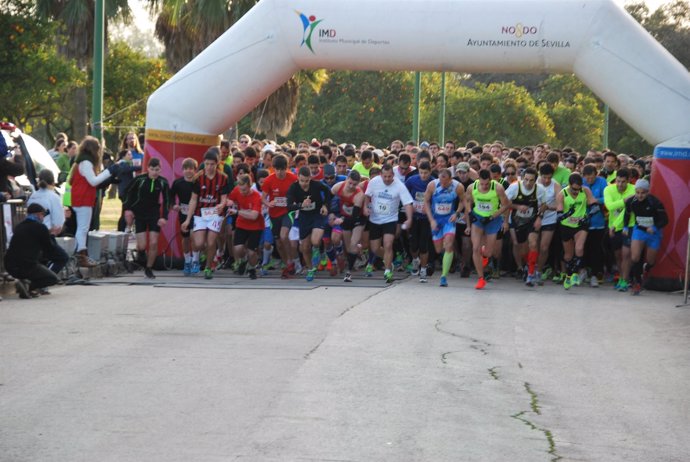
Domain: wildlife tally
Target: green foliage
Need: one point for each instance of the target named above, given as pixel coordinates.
(575, 112)
(130, 78)
(497, 111)
(357, 106)
(33, 78)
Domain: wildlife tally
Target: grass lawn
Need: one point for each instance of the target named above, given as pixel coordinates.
(110, 213)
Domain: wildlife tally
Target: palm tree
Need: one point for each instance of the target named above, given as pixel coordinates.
(188, 27)
(77, 22)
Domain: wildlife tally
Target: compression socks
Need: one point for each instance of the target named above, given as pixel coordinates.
(330, 251)
(532, 257)
(636, 271)
(266, 256)
(351, 259)
(447, 262)
(195, 256)
(372, 257)
(188, 257)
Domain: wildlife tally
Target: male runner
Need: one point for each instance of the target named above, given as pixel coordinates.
(349, 218)
(208, 201)
(440, 197)
(182, 191)
(385, 194)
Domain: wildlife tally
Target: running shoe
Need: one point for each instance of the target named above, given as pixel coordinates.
(575, 279)
(195, 267)
(369, 270)
(252, 273)
(388, 276)
(148, 272)
(285, 273)
(263, 271)
(291, 268)
(594, 281)
(310, 274)
(636, 288)
(422, 275)
(22, 289)
(567, 282)
(242, 267)
(547, 273)
(443, 282)
(617, 285)
(208, 273)
(187, 270)
(529, 282)
(623, 285)
(481, 283)
(415, 267)
(348, 277)
(558, 278)
(539, 278)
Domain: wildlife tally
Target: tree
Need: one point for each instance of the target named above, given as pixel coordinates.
(33, 78)
(357, 106)
(574, 109)
(76, 24)
(497, 111)
(130, 79)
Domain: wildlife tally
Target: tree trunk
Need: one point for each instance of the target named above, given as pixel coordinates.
(80, 114)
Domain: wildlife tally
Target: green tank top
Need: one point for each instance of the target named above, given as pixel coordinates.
(580, 203)
(485, 204)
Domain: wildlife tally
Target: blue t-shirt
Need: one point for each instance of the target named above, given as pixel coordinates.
(443, 199)
(417, 188)
(598, 221)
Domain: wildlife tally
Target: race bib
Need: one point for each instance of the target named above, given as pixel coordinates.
(184, 209)
(280, 201)
(485, 206)
(645, 221)
(524, 214)
(207, 212)
(382, 208)
(615, 212)
(574, 220)
(348, 209)
(418, 206)
(311, 206)
(443, 209)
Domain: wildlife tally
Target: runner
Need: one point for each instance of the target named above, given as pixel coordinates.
(573, 218)
(549, 221)
(245, 204)
(485, 204)
(147, 201)
(274, 195)
(208, 201)
(420, 233)
(527, 199)
(614, 200)
(650, 217)
(348, 217)
(311, 198)
(385, 194)
(182, 191)
(439, 198)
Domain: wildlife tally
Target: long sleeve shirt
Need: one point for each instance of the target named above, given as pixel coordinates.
(148, 197)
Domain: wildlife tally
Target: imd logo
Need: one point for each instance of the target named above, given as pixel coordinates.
(309, 23)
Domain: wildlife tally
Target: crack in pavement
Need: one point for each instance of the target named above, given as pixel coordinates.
(534, 405)
(347, 310)
(493, 372)
(444, 356)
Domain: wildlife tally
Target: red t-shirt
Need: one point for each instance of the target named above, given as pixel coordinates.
(251, 201)
(276, 190)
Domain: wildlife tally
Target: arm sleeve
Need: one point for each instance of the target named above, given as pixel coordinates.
(165, 192)
(86, 170)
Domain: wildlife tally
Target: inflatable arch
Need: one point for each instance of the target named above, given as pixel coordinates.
(595, 39)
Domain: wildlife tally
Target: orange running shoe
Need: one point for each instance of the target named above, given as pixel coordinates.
(480, 284)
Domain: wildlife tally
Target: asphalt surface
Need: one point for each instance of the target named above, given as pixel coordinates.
(183, 369)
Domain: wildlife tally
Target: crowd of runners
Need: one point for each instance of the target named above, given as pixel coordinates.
(321, 209)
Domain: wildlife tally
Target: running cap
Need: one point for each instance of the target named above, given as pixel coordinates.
(424, 144)
(462, 167)
(328, 170)
(269, 148)
(36, 208)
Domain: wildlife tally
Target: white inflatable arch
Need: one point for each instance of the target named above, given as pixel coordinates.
(597, 40)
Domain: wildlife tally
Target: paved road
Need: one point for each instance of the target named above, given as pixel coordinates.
(409, 372)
